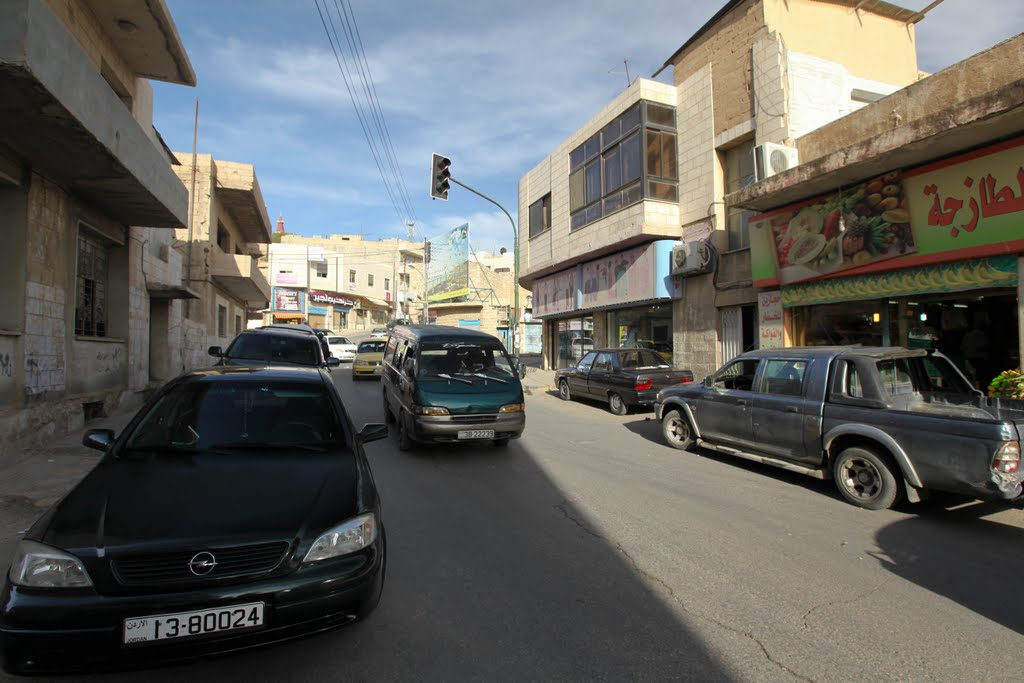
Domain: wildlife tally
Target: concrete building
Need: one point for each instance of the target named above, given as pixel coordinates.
(89, 203)
(611, 210)
(903, 224)
(228, 233)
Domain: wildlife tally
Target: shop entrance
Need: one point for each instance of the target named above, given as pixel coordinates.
(643, 326)
(575, 337)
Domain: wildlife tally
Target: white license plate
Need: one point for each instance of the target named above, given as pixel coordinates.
(476, 434)
(377, 371)
(190, 624)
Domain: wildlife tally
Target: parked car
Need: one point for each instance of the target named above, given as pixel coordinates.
(379, 333)
(274, 346)
(237, 508)
(342, 348)
(368, 359)
(625, 378)
(449, 384)
(579, 346)
(882, 422)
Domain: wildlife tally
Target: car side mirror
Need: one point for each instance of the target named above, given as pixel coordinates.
(333, 362)
(215, 351)
(708, 380)
(373, 431)
(521, 368)
(98, 439)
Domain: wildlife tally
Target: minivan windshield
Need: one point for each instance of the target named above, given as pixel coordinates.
(476, 359)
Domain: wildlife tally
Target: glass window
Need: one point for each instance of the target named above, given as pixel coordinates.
(222, 321)
(643, 360)
(783, 377)
(631, 119)
(587, 361)
(223, 238)
(895, 376)
(738, 375)
(576, 158)
(577, 193)
(369, 279)
(276, 348)
(660, 115)
(611, 132)
(91, 289)
(739, 173)
(387, 284)
(540, 215)
(593, 181)
(352, 277)
(853, 386)
(661, 191)
(485, 360)
(632, 158)
(604, 363)
(238, 324)
(591, 147)
(321, 269)
(374, 346)
(612, 170)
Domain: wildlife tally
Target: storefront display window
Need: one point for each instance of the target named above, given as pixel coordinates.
(645, 327)
(575, 339)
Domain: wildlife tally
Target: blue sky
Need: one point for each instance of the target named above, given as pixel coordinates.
(493, 85)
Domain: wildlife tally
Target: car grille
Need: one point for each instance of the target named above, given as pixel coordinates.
(173, 567)
(474, 418)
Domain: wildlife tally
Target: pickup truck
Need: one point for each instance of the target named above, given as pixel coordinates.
(882, 422)
(626, 378)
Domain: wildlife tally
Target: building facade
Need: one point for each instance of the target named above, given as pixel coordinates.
(656, 164)
(89, 203)
(904, 223)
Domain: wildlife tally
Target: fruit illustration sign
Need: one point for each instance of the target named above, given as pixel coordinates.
(970, 206)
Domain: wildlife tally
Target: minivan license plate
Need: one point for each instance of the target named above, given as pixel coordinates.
(140, 630)
(476, 434)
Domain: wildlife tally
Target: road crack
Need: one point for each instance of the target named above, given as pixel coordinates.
(849, 601)
(563, 507)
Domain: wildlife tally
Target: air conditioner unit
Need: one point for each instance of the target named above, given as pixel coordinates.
(691, 258)
(770, 159)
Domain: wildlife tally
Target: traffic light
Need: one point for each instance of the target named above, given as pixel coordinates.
(439, 175)
(426, 252)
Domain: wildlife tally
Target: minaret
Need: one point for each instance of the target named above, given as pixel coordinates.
(280, 224)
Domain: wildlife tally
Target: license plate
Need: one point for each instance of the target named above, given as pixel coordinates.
(377, 371)
(191, 624)
(476, 434)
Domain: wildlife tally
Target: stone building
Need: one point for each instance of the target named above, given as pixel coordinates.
(613, 211)
(228, 233)
(89, 203)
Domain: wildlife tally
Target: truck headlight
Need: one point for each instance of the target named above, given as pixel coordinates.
(513, 408)
(348, 537)
(39, 566)
(430, 410)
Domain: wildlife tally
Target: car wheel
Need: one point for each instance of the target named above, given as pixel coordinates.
(389, 417)
(404, 440)
(617, 405)
(563, 391)
(366, 608)
(866, 479)
(675, 429)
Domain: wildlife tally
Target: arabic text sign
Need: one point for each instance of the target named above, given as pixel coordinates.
(448, 270)
(287, 299)
(316, 296)
(770, 325)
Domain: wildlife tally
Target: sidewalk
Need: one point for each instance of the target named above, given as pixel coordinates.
(537, 381)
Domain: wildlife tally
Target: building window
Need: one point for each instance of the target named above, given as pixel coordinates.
(540, 215)
(223, 238)
(631, 159)
(238, 325)
(387, 284)
(351, 277)
(222, 321)
(91, 288)
(321, 269)
(738, 165)
(369, 279)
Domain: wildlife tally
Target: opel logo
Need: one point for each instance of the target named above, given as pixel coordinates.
(202, 563)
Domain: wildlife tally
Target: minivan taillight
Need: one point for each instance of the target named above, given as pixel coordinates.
(1007, 458)
(643, 383)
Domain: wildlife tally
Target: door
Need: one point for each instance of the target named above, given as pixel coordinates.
(784, 423)
(602, 375)
(732, 333)
(723, 409)
(578, 376)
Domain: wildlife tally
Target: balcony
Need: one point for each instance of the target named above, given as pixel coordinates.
(58, 113)
(240, 277)
(239, 193)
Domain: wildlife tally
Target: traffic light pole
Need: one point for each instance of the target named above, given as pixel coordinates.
(514, 319)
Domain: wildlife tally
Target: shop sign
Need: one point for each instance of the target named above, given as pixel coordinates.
(287, 299)
(769, 320)
(997, 271)
(286, 279)
(316, 310)
(967, 207)
(555, 294)
(331, 298)
(620, 278)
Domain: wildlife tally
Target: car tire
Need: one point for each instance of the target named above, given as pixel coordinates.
(617, 405)
(866, 479)
(389, 417)
(404, 440)
(367, 608)
(676, 430)
(563, 391)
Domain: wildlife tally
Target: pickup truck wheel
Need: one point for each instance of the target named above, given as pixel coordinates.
(563, 391)
(675, 428)
(866, 479)
(617, 405)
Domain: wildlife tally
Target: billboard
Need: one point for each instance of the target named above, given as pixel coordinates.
(287, 299)
(448, 270)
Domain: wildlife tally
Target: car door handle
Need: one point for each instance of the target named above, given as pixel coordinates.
(791, 409)
(741, 402)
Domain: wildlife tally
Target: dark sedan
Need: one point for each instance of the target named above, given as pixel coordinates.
(625, 378)
(277, 345)
(237, 508)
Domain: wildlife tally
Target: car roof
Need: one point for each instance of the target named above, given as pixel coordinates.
(442, 333)
(836, 351)
(294, 327)
(248, 373)
(279, 329)
(620, 349)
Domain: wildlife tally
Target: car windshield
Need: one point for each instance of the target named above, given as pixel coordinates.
(486, 359)
(338, 340)
(200, 416)
(275, 348)
(371, 347)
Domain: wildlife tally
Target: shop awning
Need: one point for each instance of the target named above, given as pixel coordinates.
(289, 316)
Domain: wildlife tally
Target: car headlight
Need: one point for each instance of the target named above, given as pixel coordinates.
(353, 535)
(430, 410)
(513, 408)
(39, 566)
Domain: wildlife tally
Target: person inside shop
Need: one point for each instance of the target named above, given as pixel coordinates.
(974, 346)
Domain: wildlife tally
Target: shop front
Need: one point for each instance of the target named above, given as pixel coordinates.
(288, 305)
(335, 309)
(621, 300)
(936, 267)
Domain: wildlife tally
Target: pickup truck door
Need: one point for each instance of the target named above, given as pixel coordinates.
(785, 421)
(578, 378)
(601, 376)
(723, 409)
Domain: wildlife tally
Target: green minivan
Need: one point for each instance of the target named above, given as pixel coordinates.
(449, 384)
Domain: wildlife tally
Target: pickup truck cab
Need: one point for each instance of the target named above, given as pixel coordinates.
(626, 378)
(882, 422)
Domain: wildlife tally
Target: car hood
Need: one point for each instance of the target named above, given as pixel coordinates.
(463, 399)
(149, 502)
(370, 356)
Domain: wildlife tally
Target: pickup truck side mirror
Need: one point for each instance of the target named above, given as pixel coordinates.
(215, 351)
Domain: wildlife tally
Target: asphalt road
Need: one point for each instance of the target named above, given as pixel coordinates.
(589, 551)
